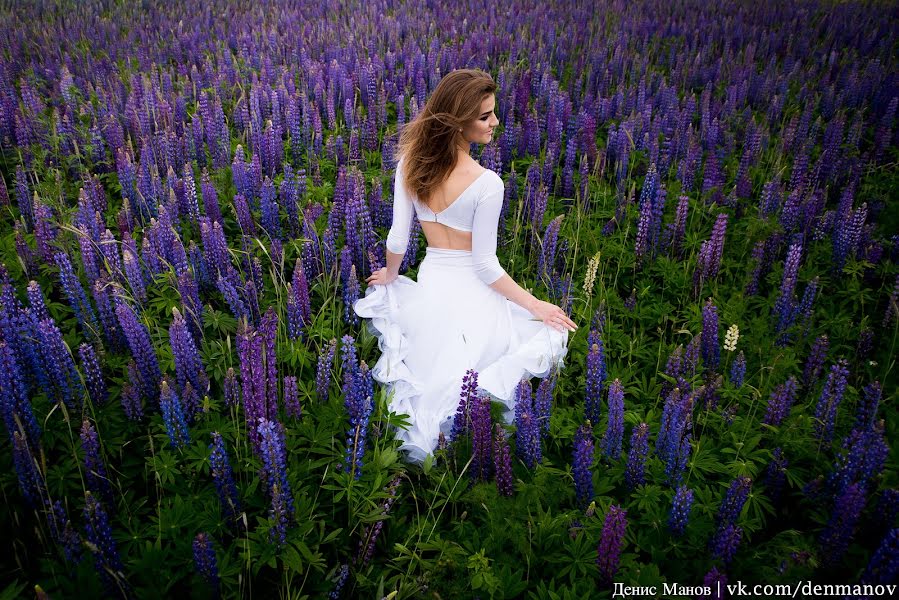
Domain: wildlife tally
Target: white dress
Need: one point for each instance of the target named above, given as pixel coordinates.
(433, 330)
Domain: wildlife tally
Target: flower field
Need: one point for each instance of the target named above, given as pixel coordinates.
(191, 198)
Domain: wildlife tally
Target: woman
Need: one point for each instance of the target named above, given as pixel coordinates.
(464, 312)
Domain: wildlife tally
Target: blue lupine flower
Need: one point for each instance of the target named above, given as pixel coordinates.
(610, 542)
(30, 478)
(64, 379)
(323, 370)
(527, 429)
(502, 459)
(371, 532)
(884, 564)
(481, 439)
(275, 478)
(543, 402)
(14, 403)
(866, 413)
(292, 397)
(784, 307)
(711, 350)
(611, 441)
(840, 529)
(738, 370)
(733, 501)
(141, 347)
(95, 469)
(636, 459)
(582, 463)
(679, 516)
(173, 416)
(63, 532)
(342, 575)
(781, 401)
(205, 562)
(725, 542)
(814, 365)
(776, 475)
(223, 476)
(106, 554)
(596, 376)
(829, 401)
(96, 385)
(188, 364)
(467, 395)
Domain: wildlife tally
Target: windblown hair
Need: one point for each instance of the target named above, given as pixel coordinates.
(427, 144)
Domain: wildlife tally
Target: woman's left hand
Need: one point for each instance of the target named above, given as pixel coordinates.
(380, 277)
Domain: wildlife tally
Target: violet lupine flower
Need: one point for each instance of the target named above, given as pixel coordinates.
(481, 439)
(610, 542)
(131, 397)
(231, 388)
(725, 541)
(141, 347)
(62, 375)
(679, 226)
(884, 564)
(223, 477)
(188, 364)
(709, 258)
(268, 328)
(351, 290)
(582, 464)
(784, 306)
(776, 475)
(292, 397)
(733, 501)
(232, 297)
(251, 352)
(358, 403)
(63, 532)
(862, 457)
(636, 459)
(323, 370)
(93, 375)
(692, 354)
(543, 402)
(95, 469)
(173, 416)
(611, 441)
(205, 563)
(829, 401)
(679, 515)
(527, 429)
(106, 554)
(30, 479)
(892, 310)
(75, 294)
(14, 402)
(268, 201)
(814, 364)
(596, 376)
(342, 575)
(673, 442)
(866, 413)
(371, 532)
(271, 434)
(840, 529)
(711, 349)
(467, 395)
(716, 582)
(738, 370)
(502, 461)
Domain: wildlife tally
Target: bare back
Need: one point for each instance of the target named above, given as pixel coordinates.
(460, 179)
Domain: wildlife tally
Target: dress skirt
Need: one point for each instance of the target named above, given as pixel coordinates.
(433, 330)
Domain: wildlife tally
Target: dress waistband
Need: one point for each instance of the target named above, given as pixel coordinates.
(446, 251)
(449, 257)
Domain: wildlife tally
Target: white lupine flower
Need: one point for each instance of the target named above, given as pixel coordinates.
(731, 337)
(590, 278)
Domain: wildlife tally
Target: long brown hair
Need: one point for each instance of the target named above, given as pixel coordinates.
(427, 144)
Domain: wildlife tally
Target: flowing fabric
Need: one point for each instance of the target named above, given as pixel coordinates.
(433, 330)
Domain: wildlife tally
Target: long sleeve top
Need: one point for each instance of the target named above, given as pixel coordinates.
(476, 210)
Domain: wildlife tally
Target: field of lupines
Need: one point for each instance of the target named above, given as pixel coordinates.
(191, 195)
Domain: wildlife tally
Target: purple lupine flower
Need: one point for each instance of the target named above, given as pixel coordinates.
(131, 396)
(358, 401)
(784, 306)
(738, 370)
(268, 328)
(232, 297)
(502, 461)
(63, 377)
(205, 563)
(829, 401)
(251, 352)
(716, 582)
(527, 429)
(582, 465)
(543, 402)
(673, 442)
(141, 347)
(93, 375)
(231, 388)
(292, 397)
(692, 354)
(14, 403)
(711, 349)
(862, 457)
(814, 364)
(323, 370)
(271, 434)
(610, 542)
(775, 475)
(866, 413)
(611, 441)
(840, 529)
(679, 515)
(30, 479)
(884, 564)
(733, 501)
(106, 554)
(342, 575)
(679, 226)
(271, 222)
(188, 364)
(95, 469)
(481, 439)
(371, 532)
(636, 459)
(223, 476)
(173, 416)
(63, 532)
(892, 310)
(75, 294)
(725, 541)
(467, 395)
(596, 376)
(350, 286)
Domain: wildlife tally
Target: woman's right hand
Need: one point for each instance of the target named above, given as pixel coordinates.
(552, 315)
(380, 277)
